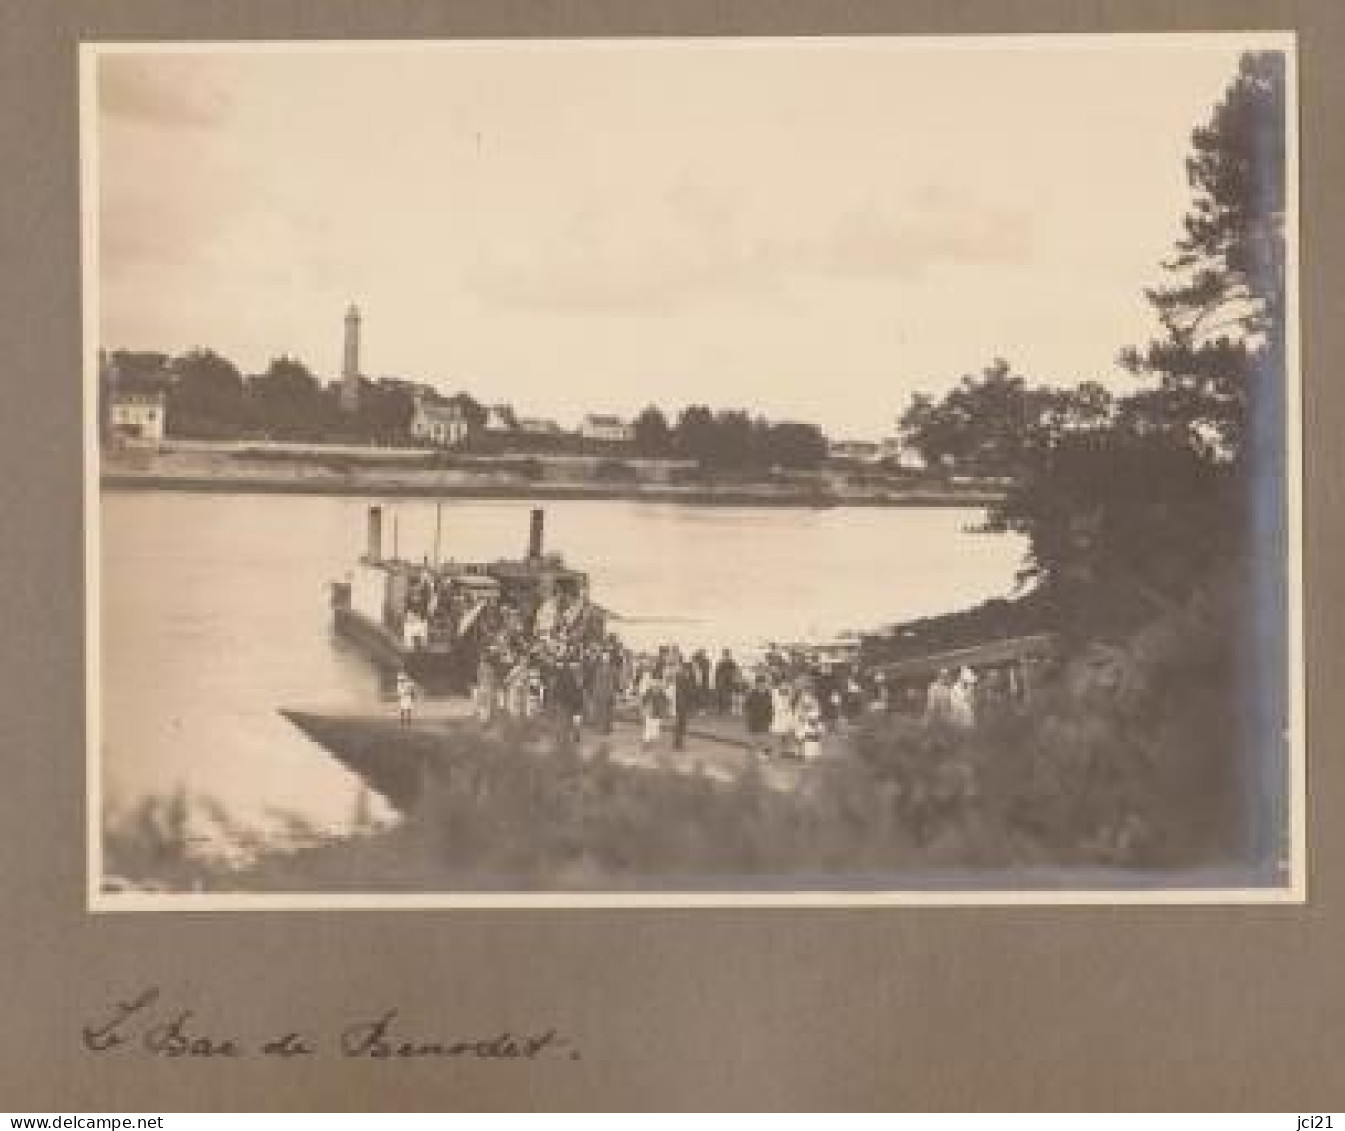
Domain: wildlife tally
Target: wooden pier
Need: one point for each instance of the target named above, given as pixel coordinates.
(1014, 651)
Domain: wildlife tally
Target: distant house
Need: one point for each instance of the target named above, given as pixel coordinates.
(137, 419)
(445, 425)
(896, 450)
(862, 451)
(500, 418)
(536, 426)
(612, 428)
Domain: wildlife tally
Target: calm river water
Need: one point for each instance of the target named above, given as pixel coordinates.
(214, 611)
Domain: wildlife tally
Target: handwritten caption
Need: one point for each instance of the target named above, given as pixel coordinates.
(148, 1025)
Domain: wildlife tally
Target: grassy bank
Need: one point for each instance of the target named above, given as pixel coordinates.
(445, 475)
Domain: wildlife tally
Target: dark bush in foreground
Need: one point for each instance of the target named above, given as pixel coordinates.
(1135, 756)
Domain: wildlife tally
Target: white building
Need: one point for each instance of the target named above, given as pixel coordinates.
(445, 425)
(137, 419)
(499, 418)
(613, 428)
(896, 450)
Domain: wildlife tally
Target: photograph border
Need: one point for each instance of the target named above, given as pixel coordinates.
(1295, 891)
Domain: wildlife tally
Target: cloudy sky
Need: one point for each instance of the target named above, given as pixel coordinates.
(808, 229)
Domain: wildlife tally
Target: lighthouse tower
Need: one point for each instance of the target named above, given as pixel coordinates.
(350, 361)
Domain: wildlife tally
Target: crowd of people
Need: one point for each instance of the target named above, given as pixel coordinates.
(959, 700)
(787, 701)
(553, 665)
(552, 656)
(793, 699)
(582, 682)
(556, 656)
(443, 608)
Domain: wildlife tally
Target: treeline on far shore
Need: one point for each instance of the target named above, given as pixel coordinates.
(603, 462)
(209, 398)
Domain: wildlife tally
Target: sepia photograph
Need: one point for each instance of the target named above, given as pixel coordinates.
(676, 472)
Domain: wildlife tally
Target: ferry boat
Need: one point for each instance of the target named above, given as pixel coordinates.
(433, 619)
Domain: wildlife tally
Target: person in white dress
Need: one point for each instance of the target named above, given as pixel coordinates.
(653, 699)
(808, 727)
(962, 700)
(782, 719)
(937, 699)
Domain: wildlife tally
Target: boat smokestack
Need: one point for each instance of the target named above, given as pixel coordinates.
(535, 533)
(375, 550)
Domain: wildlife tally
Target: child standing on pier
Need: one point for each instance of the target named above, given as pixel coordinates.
(406, 698)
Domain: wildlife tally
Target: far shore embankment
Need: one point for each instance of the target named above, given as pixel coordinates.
(313, 470)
